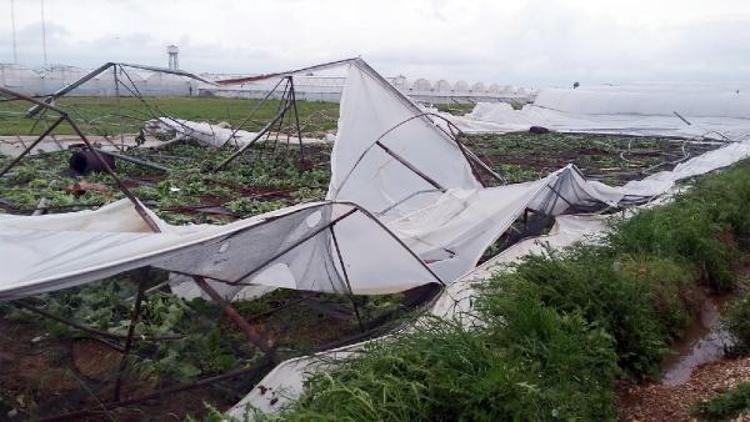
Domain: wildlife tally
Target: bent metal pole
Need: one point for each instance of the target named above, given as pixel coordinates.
(250, 332)
(139, 208)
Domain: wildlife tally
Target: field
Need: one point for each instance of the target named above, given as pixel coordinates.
(189, 340)
(108, 115)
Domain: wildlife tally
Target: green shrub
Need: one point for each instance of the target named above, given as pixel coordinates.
(673, 290)
(726, 405)
(529, 363)
(585, 280)
(682, 231)
(737, 322)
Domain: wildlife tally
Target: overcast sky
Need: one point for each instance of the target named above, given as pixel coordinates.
(532, 42)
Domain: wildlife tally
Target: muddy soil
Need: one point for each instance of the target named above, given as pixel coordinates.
(704, 342)
(661, 402)
(698, 370)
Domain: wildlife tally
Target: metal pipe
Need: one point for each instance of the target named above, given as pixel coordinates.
(411, 167)
(346, 278)
(250, 332)
(176, 72)
(321, 66)
(296, 119)
(143, 277)
(134, 160)
(255, 139)
(33, 144)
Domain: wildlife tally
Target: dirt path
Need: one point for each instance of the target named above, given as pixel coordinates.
(659, 402)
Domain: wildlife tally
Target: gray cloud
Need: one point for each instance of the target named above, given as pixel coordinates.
(523, 42)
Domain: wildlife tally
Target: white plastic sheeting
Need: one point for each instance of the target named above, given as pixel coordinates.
(645, 111)
(215, 135)
(205, 133)
(364, 172)
(293, 248)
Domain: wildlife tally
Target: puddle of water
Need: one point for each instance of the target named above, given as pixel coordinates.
(704, 342)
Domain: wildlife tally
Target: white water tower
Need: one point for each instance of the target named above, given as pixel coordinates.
(172, 50)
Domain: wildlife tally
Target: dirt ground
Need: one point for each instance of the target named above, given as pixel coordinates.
(667, 400)
(659, 402)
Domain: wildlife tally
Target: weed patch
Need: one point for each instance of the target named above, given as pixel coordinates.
(726, 405)
(737, 322)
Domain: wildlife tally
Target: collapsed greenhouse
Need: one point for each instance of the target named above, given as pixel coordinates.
(407, 205)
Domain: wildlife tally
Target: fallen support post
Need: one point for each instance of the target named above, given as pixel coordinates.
(133, 160)
(411, 167)
(143, 278)
(259, 135)
(250, 332)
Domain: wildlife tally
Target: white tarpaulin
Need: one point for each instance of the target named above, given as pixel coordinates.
(293, 248)
(644, 111)
(205, 133)
(379, 137)
(214, 135)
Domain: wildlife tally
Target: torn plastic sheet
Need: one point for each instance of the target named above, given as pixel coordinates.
(291, 248)
(203, 132)
(213, 135)
(690, 114)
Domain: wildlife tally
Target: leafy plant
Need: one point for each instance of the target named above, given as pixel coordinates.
(726, 405)
(737, 321)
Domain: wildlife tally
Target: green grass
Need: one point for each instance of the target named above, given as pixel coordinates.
(606, 292)
(112, 115)
(726, 405)
(458, 109)
(555, 332)
(531, 364)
